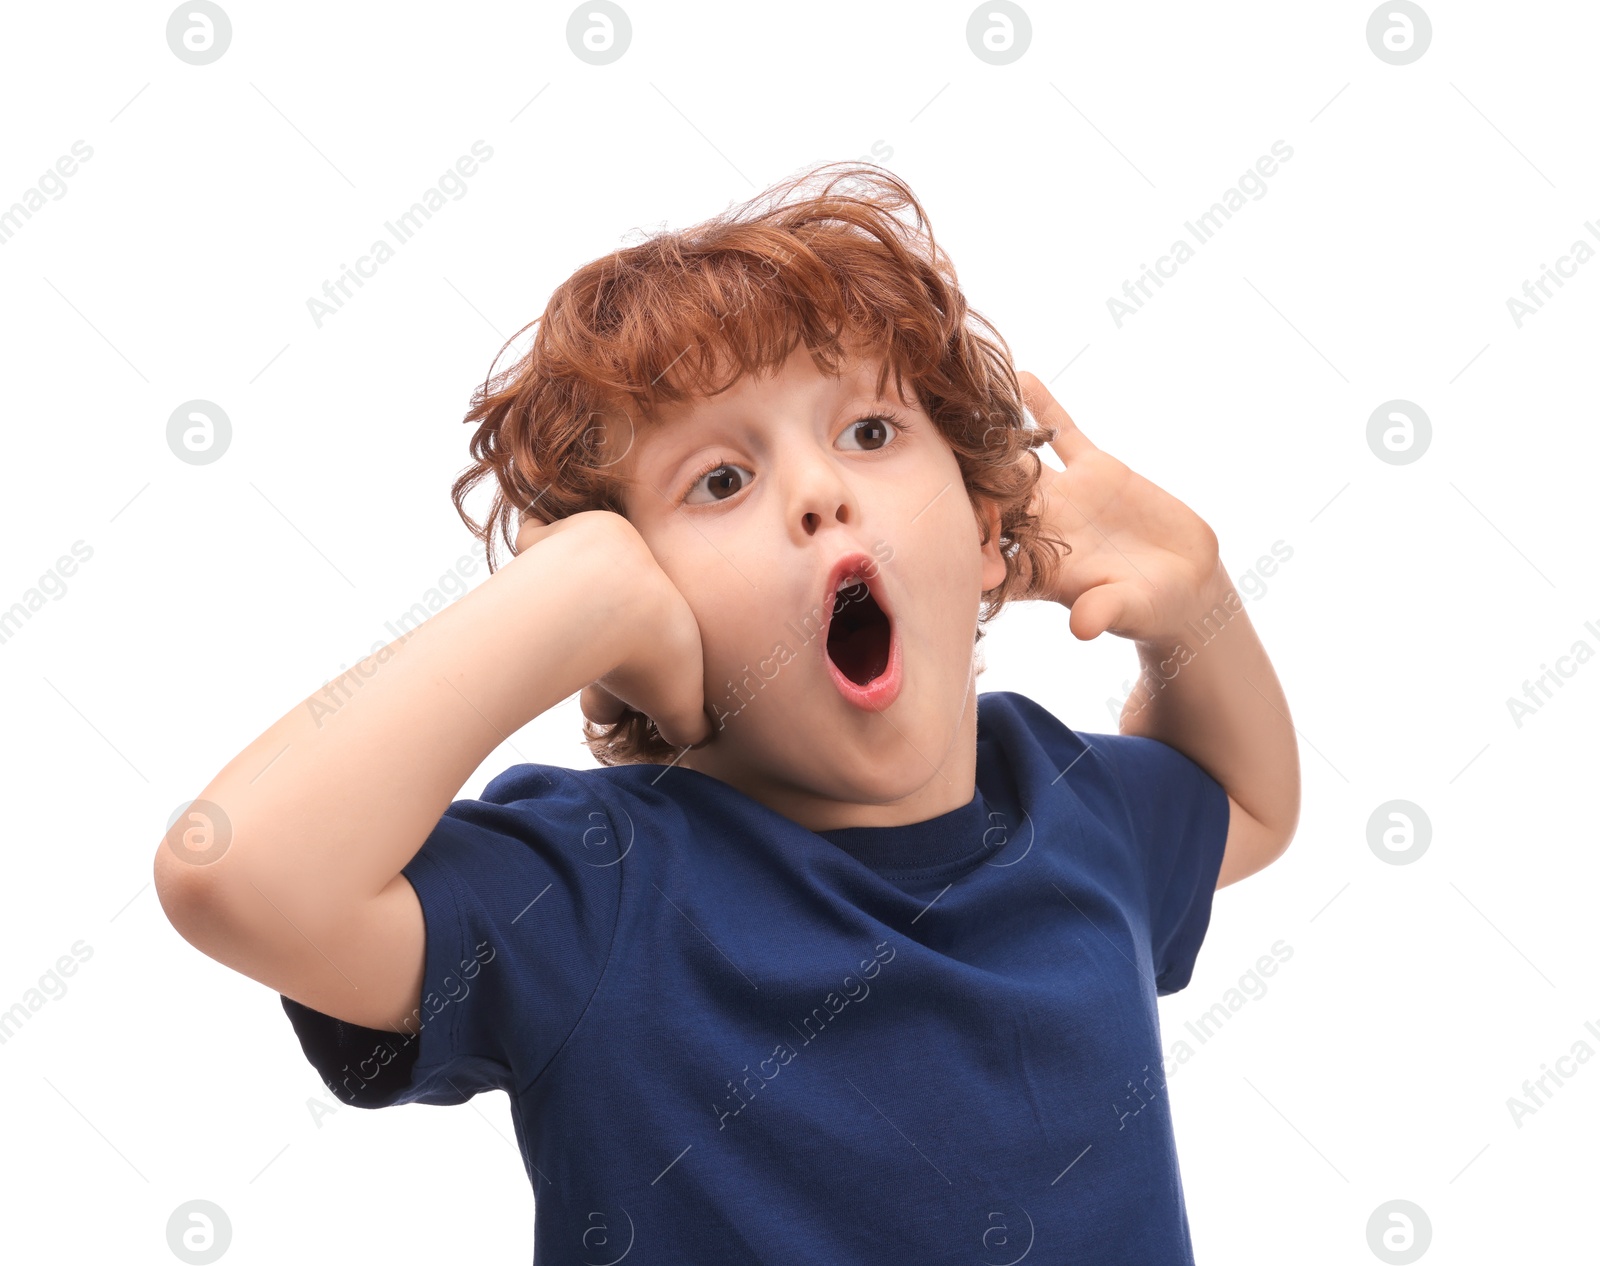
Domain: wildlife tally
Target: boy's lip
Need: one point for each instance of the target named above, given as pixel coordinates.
(883, 689)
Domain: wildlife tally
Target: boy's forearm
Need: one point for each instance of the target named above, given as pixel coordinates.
(1211, 692)
(341, 792)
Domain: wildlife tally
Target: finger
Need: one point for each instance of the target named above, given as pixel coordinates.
(694, 731)
(528, 531)
(600, 706)
(1070, 443)
(1100, 608)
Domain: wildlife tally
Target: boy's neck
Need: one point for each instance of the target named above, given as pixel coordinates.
(950, 782)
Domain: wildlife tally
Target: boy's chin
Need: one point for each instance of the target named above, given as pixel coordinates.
(827, 745)
(879, 773)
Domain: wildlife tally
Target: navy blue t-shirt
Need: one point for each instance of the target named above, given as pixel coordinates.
(730, 1039)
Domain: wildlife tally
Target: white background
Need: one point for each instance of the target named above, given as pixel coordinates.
(1418, 597)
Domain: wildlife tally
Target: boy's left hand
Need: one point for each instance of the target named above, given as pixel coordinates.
(1142, 563)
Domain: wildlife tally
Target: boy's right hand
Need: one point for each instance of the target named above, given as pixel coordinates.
(663, 673)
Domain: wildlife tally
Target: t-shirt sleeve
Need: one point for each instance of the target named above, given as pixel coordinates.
(520, 892)
(1178, 815)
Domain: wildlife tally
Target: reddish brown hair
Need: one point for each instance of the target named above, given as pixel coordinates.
(822, 259)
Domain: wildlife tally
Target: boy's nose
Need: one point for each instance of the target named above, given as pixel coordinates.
(821, 495)
(811, 520)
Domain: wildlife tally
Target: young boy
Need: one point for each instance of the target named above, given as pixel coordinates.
(832, 958)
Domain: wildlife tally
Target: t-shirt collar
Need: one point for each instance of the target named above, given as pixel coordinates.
(947, 839)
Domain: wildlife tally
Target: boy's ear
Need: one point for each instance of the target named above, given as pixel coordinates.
(994, 563)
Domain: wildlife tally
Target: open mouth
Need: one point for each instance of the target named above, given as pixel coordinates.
(861, 646)
(859, 634)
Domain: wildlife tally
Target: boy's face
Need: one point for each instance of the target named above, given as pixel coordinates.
(803, 479)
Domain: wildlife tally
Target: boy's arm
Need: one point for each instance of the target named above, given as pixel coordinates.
(1212, 694)
(1144, 566)
(322, 811)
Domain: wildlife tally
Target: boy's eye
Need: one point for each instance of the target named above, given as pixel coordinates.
(878, 427)
(725, 479)
(722, 481)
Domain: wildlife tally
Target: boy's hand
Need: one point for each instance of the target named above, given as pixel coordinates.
(1141, 562)
(663, 676)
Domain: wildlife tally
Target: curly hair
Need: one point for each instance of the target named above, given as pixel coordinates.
(822, 259)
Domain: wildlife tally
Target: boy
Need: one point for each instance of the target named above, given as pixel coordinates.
(832, 959)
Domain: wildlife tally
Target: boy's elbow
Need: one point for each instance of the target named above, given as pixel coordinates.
(1288, 828)
(1278, 831)
(1276, 840)
(191, 897)
(180, 889)
(1251, 845)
